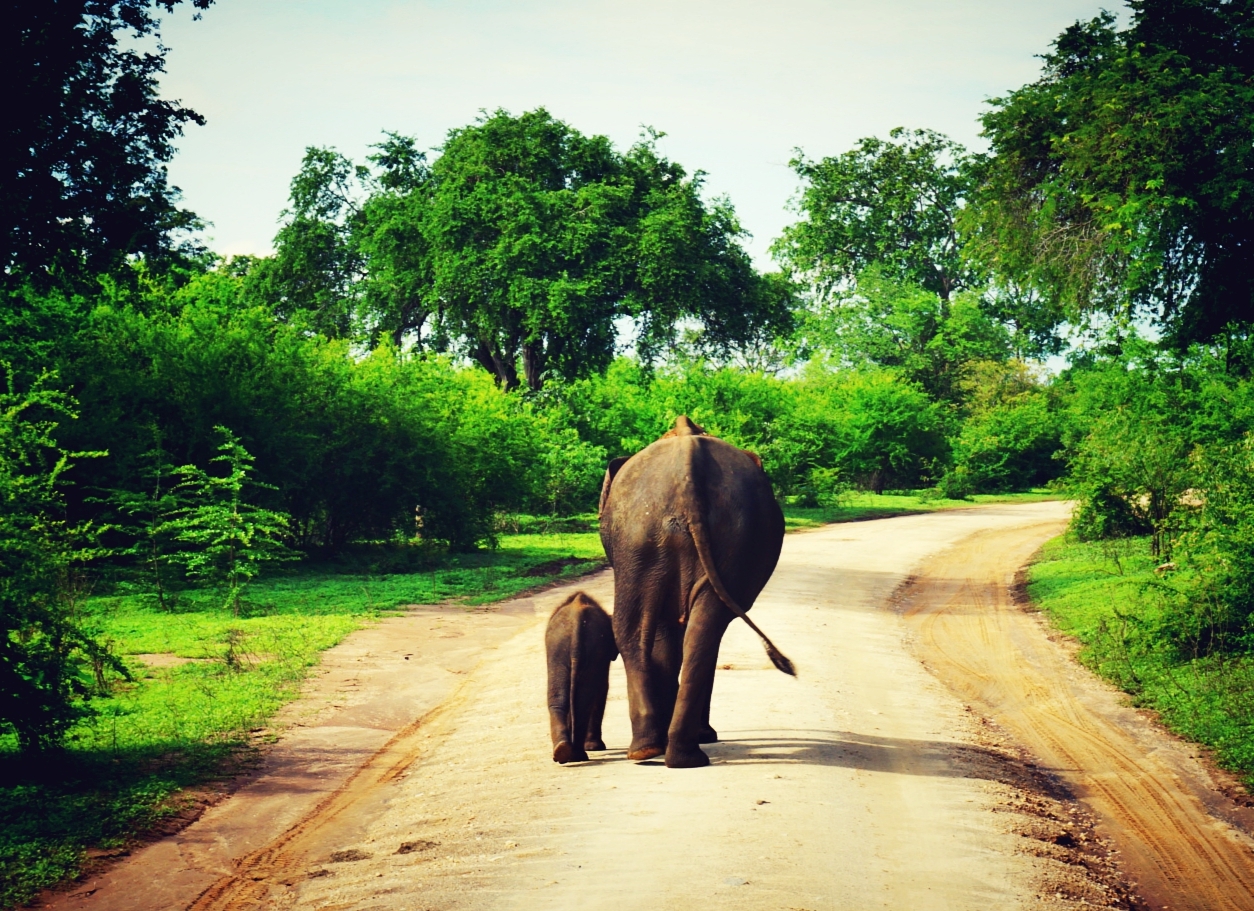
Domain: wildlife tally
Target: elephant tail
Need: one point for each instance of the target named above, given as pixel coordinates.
(576, 647)
(697, 530)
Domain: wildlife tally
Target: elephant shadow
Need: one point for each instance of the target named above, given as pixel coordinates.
(850, 750)
(865, 752)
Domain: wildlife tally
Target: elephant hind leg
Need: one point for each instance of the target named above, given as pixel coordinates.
(706, 733)
(690, 725)
(652, 676)
(664, 668)
(600, 692)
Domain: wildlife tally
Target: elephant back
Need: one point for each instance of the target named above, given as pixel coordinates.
(688, 480)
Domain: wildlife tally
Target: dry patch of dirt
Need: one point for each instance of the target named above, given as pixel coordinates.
(553, 567)
(1076, 866)
(165, 659)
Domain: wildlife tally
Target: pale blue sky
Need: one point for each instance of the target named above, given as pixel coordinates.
(735, 84)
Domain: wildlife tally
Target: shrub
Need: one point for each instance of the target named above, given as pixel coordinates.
(352, 447)
(47, 660)
(1010, 446)
(226, 540)
(1128, 449)
(1218, 546)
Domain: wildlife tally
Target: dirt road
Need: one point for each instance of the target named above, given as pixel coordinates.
(1149, 793)
(865, 783)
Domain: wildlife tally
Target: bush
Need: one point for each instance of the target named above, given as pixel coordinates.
(572, 471)
(48, 662)
(1128, 438)
(881, 430)
(826, 487)
(225, 539)
(352, 447)
(956, 483)
(1010, 446)
(1218, 547)
(816, 435)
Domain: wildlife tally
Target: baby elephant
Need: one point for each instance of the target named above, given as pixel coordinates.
(580, 645)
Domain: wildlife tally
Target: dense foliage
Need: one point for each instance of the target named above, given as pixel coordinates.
(87, 139)
(46, 660)
(1158, 445)
(520, 247)
(1120, 181)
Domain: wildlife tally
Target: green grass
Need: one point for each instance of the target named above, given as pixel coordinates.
(1110, 597)
(859, 506)
(174, 727)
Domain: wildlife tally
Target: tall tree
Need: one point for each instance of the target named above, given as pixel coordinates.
(540, 238)
(525, 245)
(87, 138)
(893, 203)
(1122, 180)
(317, 268)
(397, 299)
(886, 323)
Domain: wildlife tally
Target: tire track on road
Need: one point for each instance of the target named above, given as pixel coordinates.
(998, 657)
(286, 859)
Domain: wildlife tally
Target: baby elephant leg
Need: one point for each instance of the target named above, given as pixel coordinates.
(563, 724)
(596, 651)
(598, 691)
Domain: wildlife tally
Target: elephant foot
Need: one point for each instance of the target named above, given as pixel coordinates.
(693, 758)
(565, 752)
(594, 745)
(645, 753)
(709, 735)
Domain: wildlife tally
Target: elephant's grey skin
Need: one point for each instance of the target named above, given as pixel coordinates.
(693, 531)
(579, 642)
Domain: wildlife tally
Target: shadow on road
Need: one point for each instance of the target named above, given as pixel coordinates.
(849, 750)
(867, 752)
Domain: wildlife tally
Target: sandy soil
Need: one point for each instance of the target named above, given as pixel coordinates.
(867, 782)
(1180, 839)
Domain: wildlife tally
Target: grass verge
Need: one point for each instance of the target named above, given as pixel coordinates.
(1110, 597)
(206, 683)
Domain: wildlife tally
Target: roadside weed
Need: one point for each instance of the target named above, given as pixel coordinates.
(1120, 603)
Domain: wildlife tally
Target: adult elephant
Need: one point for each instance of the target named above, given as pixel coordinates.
(692, 529)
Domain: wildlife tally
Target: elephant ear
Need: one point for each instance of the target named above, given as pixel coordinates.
(757, 460)
(610, 471)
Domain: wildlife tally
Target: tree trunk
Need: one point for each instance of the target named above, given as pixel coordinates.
(533, 364)
(492, 361)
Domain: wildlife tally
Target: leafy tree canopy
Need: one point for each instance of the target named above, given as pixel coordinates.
(523, 244)
(1123, 178)
(317, 265)
(86, 144)
(893, 203)
(886, 323)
